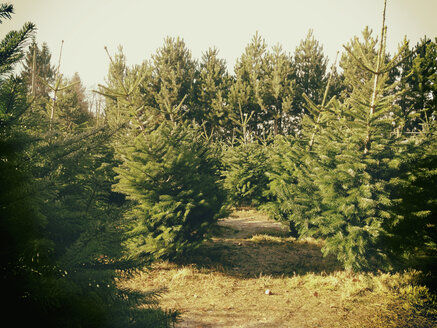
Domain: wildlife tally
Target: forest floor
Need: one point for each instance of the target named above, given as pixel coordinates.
(251, 274)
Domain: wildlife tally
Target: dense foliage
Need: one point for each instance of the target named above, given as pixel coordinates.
(354, 173)
(61, 242)
(348, 156)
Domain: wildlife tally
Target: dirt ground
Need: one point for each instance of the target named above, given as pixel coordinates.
(251, 274)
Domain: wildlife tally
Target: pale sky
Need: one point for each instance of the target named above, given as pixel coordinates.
(86, 26)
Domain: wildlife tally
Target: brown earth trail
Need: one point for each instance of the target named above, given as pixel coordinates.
(250, 274)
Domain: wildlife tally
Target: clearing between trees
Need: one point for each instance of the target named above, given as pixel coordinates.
(251, 274)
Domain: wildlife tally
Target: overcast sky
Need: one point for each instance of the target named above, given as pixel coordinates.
(140, 27)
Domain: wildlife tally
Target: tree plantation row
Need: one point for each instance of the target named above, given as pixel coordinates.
(344, 155)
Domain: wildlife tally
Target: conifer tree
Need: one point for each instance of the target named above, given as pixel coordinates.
(358, 165)
(213, 87)
(37, 68)
(170, 176)
(23, 249)
(310, 67)
(47, 180)
(246, 93)
(416, 76)
(279, 91)
(353, 176)
(73, 108)
(244, 166)
(293, 197)
(173, 79)
(168, 173)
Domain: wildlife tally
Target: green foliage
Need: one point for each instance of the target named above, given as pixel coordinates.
(171, 177)
(37, 70)
(173, 80)
(60, 232)
(353, 177)
(310, 64)
(213, 89)
(418, 93)
(244, 168)
(263, 88)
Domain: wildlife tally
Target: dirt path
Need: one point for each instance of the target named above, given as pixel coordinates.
(246, 224)
(252, 275)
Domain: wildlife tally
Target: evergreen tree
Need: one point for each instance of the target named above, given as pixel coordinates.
(293, 197)
(213, 87)
(244, 167)
(416, 76)
(279, 92)
(72, 106)
(173, 80)
(37, 68)
(246, 94)
(352, 176)
(24, 252)
(169, 174)
(310, 65)
(52, 209)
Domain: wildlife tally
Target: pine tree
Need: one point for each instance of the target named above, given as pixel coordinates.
(416, 76)
(213, 85)
(170, 176)
(173, 80)
(279, 92)
(310, 66)
(37, 68)
(72, 106)
(246, 94)
(168, 173)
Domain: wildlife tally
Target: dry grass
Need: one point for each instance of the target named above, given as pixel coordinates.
(224, 284)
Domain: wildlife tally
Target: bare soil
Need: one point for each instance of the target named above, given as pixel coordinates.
(251, 274)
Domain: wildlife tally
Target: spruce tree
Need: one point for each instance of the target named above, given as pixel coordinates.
(279, 92)
(213, 87)
(246, 94)
(37, 68)
(352, 176)
(72, 106)
(169, 174)
(310, 69)
(292, 196)
(358, 157)
(52, 207)
(244, 166)
(416, 76)
(173, 79)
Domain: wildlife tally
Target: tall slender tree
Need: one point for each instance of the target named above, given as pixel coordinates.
(310, 67)
(213, 87)
(246, 94)
(173, 80)
(37, 69)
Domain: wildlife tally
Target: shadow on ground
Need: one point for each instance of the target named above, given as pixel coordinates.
(248, 248)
